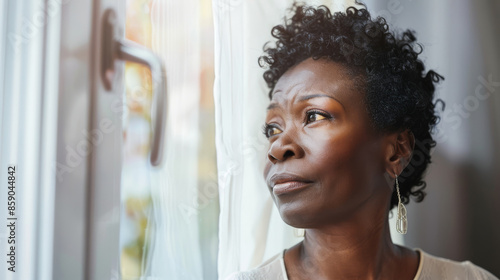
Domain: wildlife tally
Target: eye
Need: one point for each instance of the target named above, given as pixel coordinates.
(270, 130)
(314, 115)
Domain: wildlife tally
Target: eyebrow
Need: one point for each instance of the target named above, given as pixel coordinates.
(272, 106)
(307, 97)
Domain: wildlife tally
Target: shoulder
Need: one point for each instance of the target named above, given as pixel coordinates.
(270, 269)
(433, 267)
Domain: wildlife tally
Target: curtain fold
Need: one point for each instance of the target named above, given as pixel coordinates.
(173, 231)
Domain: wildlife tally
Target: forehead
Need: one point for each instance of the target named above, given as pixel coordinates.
(314, 75)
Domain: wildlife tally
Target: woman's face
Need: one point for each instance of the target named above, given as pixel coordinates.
(325, 162)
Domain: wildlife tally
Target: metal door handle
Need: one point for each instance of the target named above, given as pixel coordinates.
(116, 48)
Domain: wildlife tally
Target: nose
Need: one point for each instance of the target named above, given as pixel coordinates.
(283, 148)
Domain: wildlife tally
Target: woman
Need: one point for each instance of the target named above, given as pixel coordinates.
(349, 126)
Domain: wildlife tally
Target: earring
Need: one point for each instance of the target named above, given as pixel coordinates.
(402, 222)
(299, 232)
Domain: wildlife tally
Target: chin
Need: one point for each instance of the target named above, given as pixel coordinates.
(296, 215)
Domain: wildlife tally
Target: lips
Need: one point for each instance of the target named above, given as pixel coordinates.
(285, 183)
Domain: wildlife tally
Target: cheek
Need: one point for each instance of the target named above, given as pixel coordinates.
(346, 159)
(332, 150)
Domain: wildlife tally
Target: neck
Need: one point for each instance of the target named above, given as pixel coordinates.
(361, 250)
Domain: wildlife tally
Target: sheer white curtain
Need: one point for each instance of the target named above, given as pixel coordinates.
(173, 232)
(250, 228)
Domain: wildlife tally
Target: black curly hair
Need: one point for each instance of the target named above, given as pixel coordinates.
(398, 91)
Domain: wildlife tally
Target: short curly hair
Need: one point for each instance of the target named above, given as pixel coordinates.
(398, 91)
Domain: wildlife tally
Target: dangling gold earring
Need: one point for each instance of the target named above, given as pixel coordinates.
(402, 222)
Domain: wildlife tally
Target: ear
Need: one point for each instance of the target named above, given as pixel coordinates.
(399, 151)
